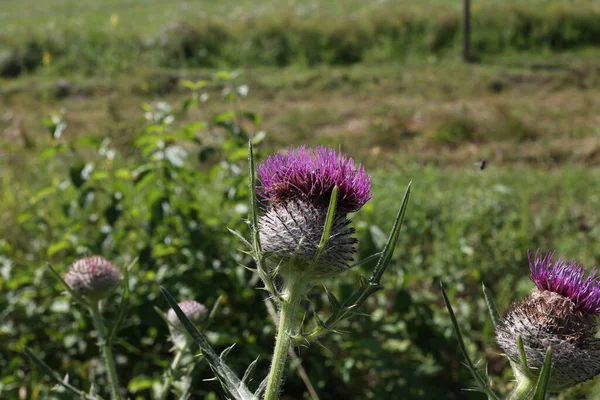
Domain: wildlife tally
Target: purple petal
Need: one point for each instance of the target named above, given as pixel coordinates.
(567, 278)
(311, 174)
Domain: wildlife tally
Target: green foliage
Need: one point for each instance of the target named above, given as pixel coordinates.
(281, 39)
(168, 204)
(466, 226)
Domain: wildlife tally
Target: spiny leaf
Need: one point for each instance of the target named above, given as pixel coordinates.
(491, 306)
(163, 316)
(481, 380)
(522, 355)
(252, 203)
(333, 300)
(328, 224)
(250, 371)
(213, 311)
(360, 295)
(229, 380)
(54, 376)
(75, 295)
(388, 249)
(542, 384)
(124, 301)
(240, 237)
(225, 352)
(366, 260)
(261, 388)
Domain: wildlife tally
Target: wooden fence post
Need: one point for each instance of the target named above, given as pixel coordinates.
(466, 31)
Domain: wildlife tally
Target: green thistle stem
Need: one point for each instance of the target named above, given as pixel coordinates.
(174, 367)
(291, 299)
(104, 344)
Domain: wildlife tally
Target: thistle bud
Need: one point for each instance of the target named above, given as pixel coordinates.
(193, 310)
(560, 313)
(296, 187)
(93, 278)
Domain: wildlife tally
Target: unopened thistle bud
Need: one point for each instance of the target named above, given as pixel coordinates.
(94, 278)
(296, 187)
(560, 313)
(193, 310)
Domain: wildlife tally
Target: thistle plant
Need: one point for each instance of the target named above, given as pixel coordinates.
(90, 281)
(305, 232)
(550, 336)
(301, 234)
(196, 313)
(94, 278)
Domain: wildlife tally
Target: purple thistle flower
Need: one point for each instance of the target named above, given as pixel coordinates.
(310, 175)
(560, 313)
(567, 278)
(547, 319)
(296, 188)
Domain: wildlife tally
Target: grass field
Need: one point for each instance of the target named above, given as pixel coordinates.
(149, 15)
(445, 112)
(529, 107)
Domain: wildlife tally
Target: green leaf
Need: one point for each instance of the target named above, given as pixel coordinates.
(482, 381)
(57, 247)
(522, 355)
(254, 117)
(328, 224)
(542, 384)
(366, 260)
(241, 238)
(333, 300)
(223, 75)
(124, 302)
(75, 172)
(189, 103)
(360, 295)
(139, 383)
(252, 203)
(253, 223)
(213, 311)
(75, 295)
(491, 306)
(250, 371)
(163, 316)
(54, 376)
(224, 116)
(388, 250)
(229, 380)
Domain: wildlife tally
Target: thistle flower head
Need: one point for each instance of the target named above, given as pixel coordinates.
(195, 312)
(567, 278)
(93, 277)
(293, 231)
(297, 186)
(560, 313)
(310, 175)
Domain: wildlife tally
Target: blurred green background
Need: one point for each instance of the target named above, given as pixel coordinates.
(123, 131)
